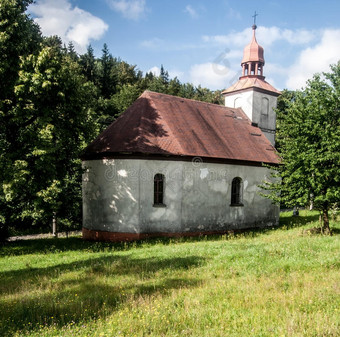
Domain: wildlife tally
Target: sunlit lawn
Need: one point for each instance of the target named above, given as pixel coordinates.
(281, 282)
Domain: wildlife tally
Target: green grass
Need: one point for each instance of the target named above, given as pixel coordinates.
(280, 282)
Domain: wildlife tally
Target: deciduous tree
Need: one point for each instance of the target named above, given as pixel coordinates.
(309, 138)
(19, 37)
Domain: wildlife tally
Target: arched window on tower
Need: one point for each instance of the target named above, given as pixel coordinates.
(265, 106)
(236, 192)
(264, 112)
(158, 192)
(237, 102)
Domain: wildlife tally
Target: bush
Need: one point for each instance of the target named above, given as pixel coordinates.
(4, 234)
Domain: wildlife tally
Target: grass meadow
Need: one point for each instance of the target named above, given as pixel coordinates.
(274, 282)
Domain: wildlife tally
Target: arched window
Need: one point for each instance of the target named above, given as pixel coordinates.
(265, 106)
(264, 113)
(158, 192)
(236, 192)
(237, 102)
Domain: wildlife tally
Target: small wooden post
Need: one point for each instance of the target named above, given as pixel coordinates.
(311, 205)
(54, 225)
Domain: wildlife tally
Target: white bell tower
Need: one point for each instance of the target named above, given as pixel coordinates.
(252, 93)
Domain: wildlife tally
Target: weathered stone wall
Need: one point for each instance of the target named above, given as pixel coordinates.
(118, 197)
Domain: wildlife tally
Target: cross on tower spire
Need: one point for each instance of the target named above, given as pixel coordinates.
(253, 57)
(254, 16)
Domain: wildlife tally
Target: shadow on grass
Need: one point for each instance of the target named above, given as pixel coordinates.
(42, 246)
(47, 246)
(335, 231)
(53, 245)
(291, 221)
(288, 221)
(88, 289)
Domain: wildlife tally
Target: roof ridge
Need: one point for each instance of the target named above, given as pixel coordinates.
(180, 97)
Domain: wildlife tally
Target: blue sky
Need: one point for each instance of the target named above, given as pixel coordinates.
(202, 41)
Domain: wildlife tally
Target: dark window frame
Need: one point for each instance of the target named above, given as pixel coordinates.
(158, 190)
(236, 192)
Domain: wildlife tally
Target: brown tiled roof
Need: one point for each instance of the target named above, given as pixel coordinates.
(159, 124)
(251, 81)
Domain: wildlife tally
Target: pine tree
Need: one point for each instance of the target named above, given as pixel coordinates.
(164, 76)
(108, 80)
(88, 63)
(71, 51)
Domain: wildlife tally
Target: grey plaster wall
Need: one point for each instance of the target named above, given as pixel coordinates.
(118, 197)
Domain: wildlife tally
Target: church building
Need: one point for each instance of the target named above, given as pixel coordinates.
(170, 166)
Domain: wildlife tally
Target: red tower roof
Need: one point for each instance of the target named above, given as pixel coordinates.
(252, 71)
(253, 52)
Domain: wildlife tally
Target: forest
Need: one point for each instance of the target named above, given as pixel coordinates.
(53, 102)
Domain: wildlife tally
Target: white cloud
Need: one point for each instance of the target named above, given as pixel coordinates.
(267, 36)
(131, 9)
(176, 73)
(315, 59)
(234, 38)
(277, 41)
(172, 73)
(272, 82)
(191, 11)
(71, 24)
(155, 70)
(299, 36)
(305, 52)
(212, 75)
(274, 68)
(295, 37)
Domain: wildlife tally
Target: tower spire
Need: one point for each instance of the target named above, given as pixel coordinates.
(253, 57)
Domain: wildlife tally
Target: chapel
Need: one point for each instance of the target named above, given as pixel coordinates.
(170, 166)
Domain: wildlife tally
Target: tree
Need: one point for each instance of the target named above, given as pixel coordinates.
(308, 133)
(187, 90)
(53, 123)
(19, 36)
(164, 76)
(125, 97)
(206, 95)
(127, 74)
(88, 64)
(174, 87)
(72, 51)
(108, 80)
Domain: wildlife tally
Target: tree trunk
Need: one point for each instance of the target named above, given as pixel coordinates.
(54, 225)
(325, 226)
